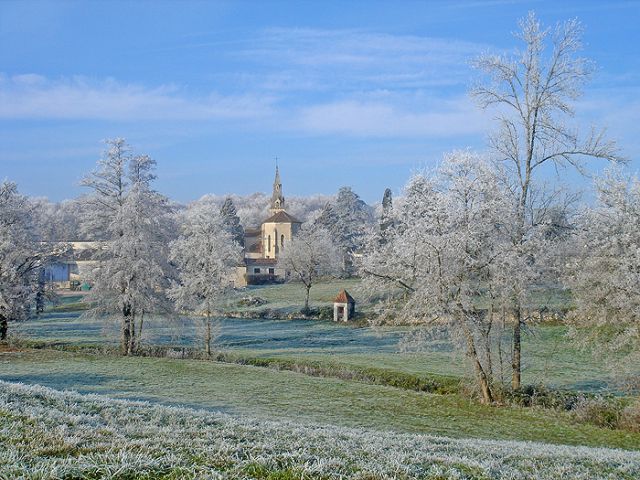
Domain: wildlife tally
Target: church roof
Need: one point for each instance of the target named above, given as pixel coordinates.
(344, 297)
(252, 232)
(281, 217)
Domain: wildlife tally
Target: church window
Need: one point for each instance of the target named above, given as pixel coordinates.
(269, 243)
(282, 241)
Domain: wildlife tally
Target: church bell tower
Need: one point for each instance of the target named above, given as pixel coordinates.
(277, 198)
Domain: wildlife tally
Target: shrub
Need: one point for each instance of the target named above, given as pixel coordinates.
(630, 417)
(541, 396)
(600, 411)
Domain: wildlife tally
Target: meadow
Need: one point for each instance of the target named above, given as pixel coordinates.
(50, 435)
(549, 357)
(418, 433)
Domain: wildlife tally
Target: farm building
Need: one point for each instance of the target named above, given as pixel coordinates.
(73, 267)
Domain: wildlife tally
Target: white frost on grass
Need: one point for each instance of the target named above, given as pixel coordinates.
(47, 434)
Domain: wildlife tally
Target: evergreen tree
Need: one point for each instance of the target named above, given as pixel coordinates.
(231, 221)
(347, 220)
(386, 219)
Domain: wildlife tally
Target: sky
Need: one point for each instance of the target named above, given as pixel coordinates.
(360, 93)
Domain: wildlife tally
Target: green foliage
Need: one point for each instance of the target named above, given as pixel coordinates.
(372, 375)
(542, 396)
(70, 307)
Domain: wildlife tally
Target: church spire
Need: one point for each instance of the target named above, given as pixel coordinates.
(277, 198)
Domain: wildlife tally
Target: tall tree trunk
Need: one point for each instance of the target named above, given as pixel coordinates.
(481, 376)
(487, 341)
(306, 298)
(500, 335)
(207, 336)
(516, 360)
(40, 294)
(132, 337)
(140, 329)
(4, 327)
(125, 329)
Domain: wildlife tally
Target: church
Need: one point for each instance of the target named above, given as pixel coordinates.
(264, 244)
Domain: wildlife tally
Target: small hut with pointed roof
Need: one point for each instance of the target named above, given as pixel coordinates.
(344, 307)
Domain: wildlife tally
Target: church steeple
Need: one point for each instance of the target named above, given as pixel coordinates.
(277, 198)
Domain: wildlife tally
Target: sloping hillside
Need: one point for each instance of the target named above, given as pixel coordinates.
(50, 434)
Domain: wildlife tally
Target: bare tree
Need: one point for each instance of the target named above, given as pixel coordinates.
(19, 257)
(206, 255)
(532, 93)
(309, 255)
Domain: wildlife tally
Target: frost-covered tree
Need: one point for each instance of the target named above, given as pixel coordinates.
(604, 276)
(57, 222)
(133, 221)
(231, 221)
(347, 219)
(311, 254)
(438, 262)
(22, 256)
(206, 255)
(532, 93)
(254, 209)
(386, 217)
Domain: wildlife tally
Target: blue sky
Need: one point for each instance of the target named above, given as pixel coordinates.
(343, 93)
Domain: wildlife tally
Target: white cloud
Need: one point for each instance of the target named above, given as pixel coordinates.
(32, 96)
(359, 59)
(382, 119)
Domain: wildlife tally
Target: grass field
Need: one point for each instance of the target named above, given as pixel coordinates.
(270, 394)
(290, 296)
(51, 435)
(547, 356)
(257, 396)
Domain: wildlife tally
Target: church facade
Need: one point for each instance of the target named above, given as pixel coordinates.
(264, 244)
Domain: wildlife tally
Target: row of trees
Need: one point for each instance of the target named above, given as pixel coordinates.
(153, 256)
(152, 260)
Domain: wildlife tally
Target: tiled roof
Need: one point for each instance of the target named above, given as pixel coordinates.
(260, 261)
(344, 297)
(281, 217)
